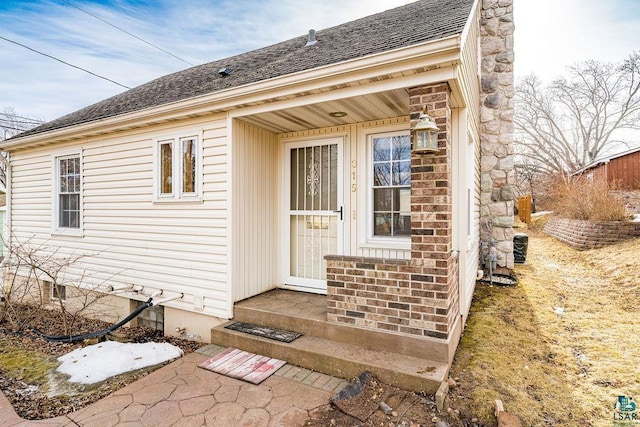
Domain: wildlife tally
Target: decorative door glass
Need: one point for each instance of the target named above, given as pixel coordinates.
(315, 212)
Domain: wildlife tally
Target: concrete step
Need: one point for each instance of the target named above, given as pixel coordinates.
(310, 320)
(340, 359)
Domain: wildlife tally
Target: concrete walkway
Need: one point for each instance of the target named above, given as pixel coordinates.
(181, 394)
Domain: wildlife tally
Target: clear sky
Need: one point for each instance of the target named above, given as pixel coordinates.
(550, 34)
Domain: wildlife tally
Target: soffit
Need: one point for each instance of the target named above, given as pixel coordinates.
(374, 106)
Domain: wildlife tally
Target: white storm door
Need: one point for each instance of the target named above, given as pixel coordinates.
(314, 209)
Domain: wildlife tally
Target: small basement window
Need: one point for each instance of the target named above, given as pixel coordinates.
(58, 292)
(152, 317)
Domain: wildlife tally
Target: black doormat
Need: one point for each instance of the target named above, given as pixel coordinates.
(264, 331)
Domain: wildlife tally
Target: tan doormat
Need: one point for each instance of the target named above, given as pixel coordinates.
(243, 365)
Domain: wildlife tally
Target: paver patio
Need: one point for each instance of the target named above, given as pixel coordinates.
(181, 394)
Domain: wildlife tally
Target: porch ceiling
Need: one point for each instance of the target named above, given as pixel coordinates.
(374, 106)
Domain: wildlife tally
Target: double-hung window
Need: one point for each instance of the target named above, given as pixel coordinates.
(178, 175)
(391, 184)
(68, 192)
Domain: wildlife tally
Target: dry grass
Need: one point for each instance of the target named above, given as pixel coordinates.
(549, 368)
(588, 200)
(538, 222)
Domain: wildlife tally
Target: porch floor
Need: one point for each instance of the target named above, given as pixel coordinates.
(288, 303)
(334, 349)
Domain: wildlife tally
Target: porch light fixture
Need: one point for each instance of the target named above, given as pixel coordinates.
(338, 114)
(425, 135)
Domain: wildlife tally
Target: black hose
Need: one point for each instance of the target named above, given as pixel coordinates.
(88, 335)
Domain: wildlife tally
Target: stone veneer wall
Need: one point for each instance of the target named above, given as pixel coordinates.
(584, 235)
(416, 296)
(496, 127)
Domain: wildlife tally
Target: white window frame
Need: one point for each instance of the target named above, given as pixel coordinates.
(177, 195)
(367, 238)
(56, 228)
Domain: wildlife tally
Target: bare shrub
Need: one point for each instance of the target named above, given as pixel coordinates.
(587, 199)
(38, 276)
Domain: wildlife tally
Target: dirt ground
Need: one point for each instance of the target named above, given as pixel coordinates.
(557, 349)
(363, 409)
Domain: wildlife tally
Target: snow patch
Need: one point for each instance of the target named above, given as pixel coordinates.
(98, 362)
(636, 218)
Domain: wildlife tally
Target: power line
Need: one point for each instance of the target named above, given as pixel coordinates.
(16, 119)
(19, 117)
(64, 62)
(127, 32)
(14, 128)
(23, 122)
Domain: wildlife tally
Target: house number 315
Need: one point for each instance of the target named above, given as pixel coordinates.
(353, 176)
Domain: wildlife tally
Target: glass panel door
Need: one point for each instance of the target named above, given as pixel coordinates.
(315, 212)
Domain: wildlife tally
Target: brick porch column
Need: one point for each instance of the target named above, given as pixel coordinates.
(434, 268)
(416, 297)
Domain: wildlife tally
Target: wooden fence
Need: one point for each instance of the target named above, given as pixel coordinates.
(524, 209)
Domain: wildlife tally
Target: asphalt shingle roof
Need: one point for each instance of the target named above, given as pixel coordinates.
(407, 25)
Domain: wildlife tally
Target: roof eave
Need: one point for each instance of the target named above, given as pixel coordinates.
(606, 160)
(440, 52)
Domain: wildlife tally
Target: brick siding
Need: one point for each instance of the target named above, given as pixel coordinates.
(391, 295)
(416, 296)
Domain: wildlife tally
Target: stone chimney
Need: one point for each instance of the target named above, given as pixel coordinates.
(496, 131)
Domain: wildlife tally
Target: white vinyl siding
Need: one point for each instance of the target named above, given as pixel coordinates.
(256, 201)
(33, 195)
(469, 118)
(131, 240)
(469, 68)
(465, 204)
(473, 236)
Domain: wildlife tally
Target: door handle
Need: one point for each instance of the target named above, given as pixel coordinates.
(340, 212)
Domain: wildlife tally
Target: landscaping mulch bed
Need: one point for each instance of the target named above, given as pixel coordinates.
(31, 399)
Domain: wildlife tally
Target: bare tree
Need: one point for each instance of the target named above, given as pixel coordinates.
(568, 124)
(12, 124)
